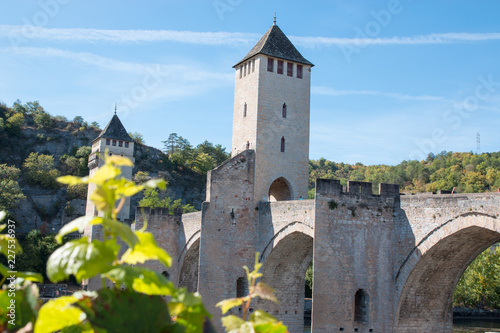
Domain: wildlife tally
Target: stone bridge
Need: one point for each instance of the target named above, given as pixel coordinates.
(382, 262)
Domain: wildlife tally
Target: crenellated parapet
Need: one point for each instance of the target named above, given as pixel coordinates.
(333, 186)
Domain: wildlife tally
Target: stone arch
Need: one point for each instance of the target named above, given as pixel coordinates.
(188, 274)
(284, 269)
(426, 280)
(280, 190)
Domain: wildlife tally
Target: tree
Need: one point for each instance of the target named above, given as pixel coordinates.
(137, 137)
(10, 192)
(14, 123)
(37, 250)
(217, 152)
(33, 108)
(94, 124)
(179, 149)
(78, 120)
(43, 120)
(39, 169)
(479, 286)
(153, 198)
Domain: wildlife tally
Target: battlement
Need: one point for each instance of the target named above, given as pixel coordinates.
(141, 211)
(333, 186)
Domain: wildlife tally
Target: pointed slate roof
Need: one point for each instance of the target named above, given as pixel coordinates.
(276, 44)
(115, 130)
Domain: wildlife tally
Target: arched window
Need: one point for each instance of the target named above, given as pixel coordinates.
(245, 110)
(283, 112)
(282, 144)
(242, 287)
(361, 306)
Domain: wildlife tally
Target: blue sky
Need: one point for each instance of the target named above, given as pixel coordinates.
(393, 80)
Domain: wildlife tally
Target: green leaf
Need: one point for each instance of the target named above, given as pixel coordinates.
(79, 225)
(72, 180)
(127, 311)
(228, 304)
(80, 328)
(119, 160)
(270, 328)
(29, 276)
(264, 291)
(156, 183)
(23, 309)
(141, 280)
(104, 173)
(2, 216)
(146, 249)
(190, 312)
(232, 323)
(80, 258)
(121, 230)
(8, 243)
(262, 317)
(57, 314)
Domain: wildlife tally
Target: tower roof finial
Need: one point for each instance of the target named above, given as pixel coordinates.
(115, 108)
(274, 22)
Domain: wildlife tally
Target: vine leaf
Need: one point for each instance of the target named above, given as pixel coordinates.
(81, 259)
(141, 280)
(57, 314)
(146, 249)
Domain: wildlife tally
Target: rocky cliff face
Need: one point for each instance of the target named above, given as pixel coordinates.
(50, 209)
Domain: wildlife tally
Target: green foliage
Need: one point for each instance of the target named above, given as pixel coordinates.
(479, 286)
(142, 300)
(259, 321)
(14, 123)
(36, 251)
(43, 120)
(75, 163)
(466, 172)
(141, 176)
(201, 159)
(10, 192)
(309, 280)
(137, 137)
(78, 191)
(78, 120)
(19, 288)
(94, 125)
(39, 169)
(153, 198)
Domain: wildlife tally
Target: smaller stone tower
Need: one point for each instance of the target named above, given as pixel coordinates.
(115, 139)
(271, 116)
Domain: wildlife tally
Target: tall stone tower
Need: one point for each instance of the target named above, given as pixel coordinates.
(115, 139)
(271, 116)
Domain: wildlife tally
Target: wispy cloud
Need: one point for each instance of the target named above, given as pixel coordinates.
(318, 90)
(441, 38)
(18, 33)
(25, 32)
(176, 71)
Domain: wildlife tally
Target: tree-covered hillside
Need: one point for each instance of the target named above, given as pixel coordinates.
(467, 172)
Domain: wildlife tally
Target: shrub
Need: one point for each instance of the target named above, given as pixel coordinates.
(39, 169)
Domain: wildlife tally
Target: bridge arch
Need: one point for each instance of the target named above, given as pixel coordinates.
(188, 263)
(285, 263)
(427, 278)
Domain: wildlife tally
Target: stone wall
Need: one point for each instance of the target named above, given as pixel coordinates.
(353, 257)
(229, 230)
